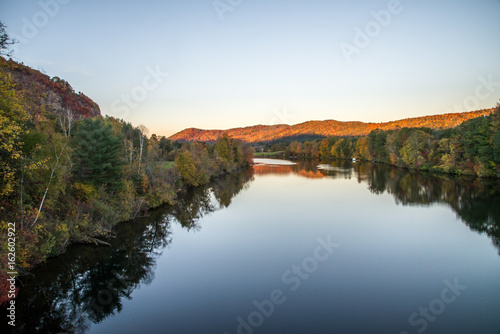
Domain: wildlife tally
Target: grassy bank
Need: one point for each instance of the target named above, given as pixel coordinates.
(277, 154)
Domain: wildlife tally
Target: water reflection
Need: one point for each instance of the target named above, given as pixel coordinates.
(475, 201)
(200, 202)
(308, 169)
(88, 284)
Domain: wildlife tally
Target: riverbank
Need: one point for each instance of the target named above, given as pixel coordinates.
(278, 154)
(423, 169)
(83, 195)
(106, 239)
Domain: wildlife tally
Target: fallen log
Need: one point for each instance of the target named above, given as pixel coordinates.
(100, 242)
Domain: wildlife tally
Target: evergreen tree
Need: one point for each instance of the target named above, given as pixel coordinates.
(97, 154)
(5, 41)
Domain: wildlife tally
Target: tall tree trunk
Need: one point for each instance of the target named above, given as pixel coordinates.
(68, 118)
(140, 151)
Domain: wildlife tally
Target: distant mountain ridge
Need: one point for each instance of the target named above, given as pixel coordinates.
(328, 128)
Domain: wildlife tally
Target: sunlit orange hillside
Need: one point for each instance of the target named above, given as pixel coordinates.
(267, 133)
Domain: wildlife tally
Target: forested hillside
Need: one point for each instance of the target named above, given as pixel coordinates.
(52, 94)
(329, 128)
(472, 148)
(69, 175)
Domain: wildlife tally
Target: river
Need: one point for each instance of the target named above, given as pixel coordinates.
(286, 247)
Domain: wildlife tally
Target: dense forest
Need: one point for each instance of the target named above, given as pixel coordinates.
(472, 148)
(69, 175)
(323, 129)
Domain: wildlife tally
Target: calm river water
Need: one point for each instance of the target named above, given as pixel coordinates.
(288, 248)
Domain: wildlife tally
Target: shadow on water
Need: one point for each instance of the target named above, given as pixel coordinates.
(88, 284)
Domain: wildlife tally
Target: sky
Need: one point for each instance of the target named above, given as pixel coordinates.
(219, 64)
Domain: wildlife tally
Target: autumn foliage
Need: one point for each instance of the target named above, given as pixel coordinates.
(328, 128)
(471, 148)
(41, 91)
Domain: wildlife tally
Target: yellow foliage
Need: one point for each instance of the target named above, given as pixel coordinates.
(83, 191)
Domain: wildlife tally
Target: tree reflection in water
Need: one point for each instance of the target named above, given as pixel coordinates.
(87, 284)
(475, 201)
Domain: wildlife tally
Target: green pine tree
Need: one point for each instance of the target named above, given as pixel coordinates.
(97, 154)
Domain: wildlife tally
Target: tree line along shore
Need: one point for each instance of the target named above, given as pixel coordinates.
(471, 148)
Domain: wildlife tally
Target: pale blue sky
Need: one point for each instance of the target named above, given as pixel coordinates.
(266, 62)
